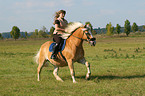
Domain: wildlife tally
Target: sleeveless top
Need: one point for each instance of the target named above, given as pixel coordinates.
(61, 24)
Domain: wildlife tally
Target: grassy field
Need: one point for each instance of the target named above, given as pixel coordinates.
(117, 65)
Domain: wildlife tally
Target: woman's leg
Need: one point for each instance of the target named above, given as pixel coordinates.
(56, 48)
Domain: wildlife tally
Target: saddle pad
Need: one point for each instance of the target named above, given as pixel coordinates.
(52, 44)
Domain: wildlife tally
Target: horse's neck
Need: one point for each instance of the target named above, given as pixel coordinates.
(74, 41)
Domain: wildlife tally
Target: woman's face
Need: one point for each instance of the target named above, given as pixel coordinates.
(61, 15)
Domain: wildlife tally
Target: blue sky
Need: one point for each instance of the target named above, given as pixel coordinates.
(29, 15)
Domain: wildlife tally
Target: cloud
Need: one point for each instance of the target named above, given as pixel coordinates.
(39, 3)
(31, 4)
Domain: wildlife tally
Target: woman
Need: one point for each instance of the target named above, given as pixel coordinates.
(60, 25)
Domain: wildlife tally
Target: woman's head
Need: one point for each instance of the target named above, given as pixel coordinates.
(60, 13)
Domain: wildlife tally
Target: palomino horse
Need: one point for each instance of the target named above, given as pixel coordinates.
(73, 51)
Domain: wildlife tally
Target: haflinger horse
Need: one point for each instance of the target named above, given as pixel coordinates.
(73, 51)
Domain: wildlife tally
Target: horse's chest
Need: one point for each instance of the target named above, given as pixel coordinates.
(79, 53)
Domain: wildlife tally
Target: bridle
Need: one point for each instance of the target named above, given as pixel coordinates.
(87, 34)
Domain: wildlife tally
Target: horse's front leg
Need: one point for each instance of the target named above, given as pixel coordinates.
(71, 67)
(83, 61)
(55, 73)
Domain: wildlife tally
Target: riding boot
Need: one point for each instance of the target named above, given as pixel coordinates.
(54, 52)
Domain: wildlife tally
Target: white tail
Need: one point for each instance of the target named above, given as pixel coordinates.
(36, 58)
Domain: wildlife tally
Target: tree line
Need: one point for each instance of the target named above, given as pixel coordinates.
(43, 33)
(127, 28)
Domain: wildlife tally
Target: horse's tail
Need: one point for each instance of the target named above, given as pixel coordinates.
(36, 58)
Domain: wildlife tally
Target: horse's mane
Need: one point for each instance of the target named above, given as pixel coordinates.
(70, 28)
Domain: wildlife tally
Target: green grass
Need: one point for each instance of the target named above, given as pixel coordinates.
(117, 66)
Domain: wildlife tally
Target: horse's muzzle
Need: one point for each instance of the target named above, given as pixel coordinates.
(92, 41)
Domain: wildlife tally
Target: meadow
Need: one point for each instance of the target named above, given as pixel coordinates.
(117, 67)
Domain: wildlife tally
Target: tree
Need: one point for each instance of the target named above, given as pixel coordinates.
(127, 27)
(90, 25)
(143, 26)
(134, 27)
(15, 33)
(26, 34)
(51, 31)
(44, 29)
(36, 31)
(110, 29)
(1, 36)
(42, 34)
(118, 28)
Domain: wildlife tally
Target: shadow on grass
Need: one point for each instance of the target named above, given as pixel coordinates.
(111, 77)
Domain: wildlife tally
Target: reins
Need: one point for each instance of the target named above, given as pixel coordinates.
(78, 37)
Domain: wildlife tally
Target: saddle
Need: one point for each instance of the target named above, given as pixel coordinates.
(60, 49)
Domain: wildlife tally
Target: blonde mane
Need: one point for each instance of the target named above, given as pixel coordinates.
(70, 28)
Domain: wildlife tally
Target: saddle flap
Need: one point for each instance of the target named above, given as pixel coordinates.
(61, 49)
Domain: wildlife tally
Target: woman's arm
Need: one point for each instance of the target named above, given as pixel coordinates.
(57, 28)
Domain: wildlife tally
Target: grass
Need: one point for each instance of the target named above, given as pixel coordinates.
(117, 65)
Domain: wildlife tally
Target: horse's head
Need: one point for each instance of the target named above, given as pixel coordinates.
(87, 35)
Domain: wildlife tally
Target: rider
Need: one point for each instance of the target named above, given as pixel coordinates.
(60, 25)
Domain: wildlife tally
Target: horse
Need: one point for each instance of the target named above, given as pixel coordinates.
(73, 51)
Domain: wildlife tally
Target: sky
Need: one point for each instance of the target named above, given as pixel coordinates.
(29, 15)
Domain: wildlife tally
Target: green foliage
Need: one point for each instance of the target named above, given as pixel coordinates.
(134, 27)
(15, 33)
(118, 28)
(144, 26)
(90, 25)
(26, 34)
(36, 31)
(44, 29)
(51, 31)
(42, 34)
(110, 29)
(1, 36)
(127, 27)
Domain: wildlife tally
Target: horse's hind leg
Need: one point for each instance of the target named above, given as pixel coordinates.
(41, 62)
(55, 73)
(83, 61)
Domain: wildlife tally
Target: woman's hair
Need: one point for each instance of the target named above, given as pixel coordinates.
(57, 14)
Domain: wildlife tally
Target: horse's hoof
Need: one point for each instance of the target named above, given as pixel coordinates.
(75, 82)
(87, 78)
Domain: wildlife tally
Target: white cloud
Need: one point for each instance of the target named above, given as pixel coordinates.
(67, 3)
(39, 3)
